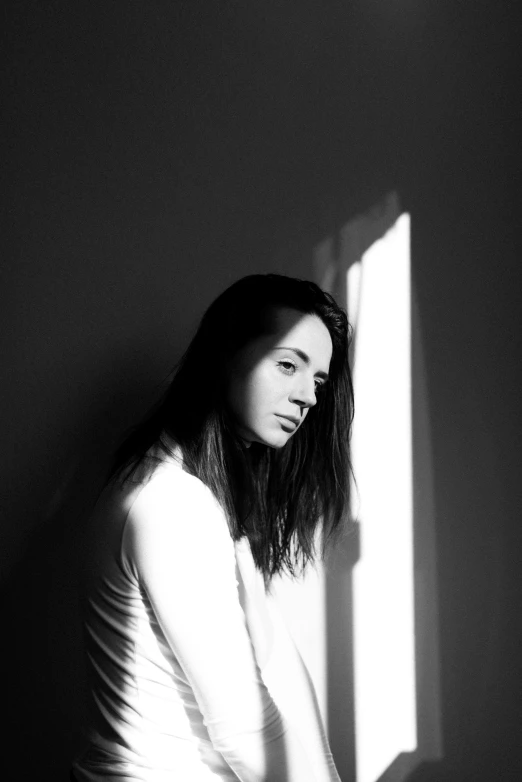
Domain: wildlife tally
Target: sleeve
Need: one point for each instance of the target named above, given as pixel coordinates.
(178, 541)
(291, 686)
(282, 667)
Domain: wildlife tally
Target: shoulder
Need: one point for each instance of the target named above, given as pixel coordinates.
(173, 503)
(176, 531)
(170, 486)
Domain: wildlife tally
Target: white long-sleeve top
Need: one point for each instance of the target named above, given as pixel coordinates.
(192, 675)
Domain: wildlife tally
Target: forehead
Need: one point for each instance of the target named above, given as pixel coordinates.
(293, 329)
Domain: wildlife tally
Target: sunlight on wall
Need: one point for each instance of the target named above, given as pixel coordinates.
(378, 297)
(368, 271)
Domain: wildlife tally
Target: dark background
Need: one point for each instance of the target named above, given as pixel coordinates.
(154, 152)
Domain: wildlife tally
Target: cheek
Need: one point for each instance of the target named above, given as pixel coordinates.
(246, 396)
(263, 393)
(257, 392)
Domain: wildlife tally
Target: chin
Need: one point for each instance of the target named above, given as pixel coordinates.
(269, 437)
(273, 440)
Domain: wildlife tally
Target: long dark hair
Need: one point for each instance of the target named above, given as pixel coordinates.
(276, 497)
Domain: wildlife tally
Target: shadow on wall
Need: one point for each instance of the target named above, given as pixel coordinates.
(44, 693)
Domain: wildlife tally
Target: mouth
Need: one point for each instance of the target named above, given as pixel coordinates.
(291, 423)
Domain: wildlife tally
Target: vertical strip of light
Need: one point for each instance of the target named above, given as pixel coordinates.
(384, 656)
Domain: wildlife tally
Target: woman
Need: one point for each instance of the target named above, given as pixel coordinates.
(192, 673)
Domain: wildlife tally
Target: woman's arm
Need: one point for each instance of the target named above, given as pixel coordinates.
(177, 542)
(291, 686)
(282, 667)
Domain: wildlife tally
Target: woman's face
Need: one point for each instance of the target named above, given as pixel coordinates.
(274, 379)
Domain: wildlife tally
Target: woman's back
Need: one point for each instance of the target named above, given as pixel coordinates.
(145, 716)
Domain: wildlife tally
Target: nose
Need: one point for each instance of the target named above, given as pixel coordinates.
(304, 394)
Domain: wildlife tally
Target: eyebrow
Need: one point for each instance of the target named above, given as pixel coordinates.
(302, 355)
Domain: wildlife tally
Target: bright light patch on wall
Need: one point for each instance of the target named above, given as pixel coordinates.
(378, 299)
(354, 288)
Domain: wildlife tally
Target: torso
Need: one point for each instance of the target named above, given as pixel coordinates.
(145, 723)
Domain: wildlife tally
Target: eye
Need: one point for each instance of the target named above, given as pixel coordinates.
(319, 384)
(288, 367)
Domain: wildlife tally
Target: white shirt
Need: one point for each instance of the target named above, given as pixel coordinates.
(191, 672)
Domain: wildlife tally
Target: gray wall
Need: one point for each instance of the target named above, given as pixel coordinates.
(154, 153)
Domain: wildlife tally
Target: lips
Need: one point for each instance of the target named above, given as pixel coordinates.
(289, 419)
